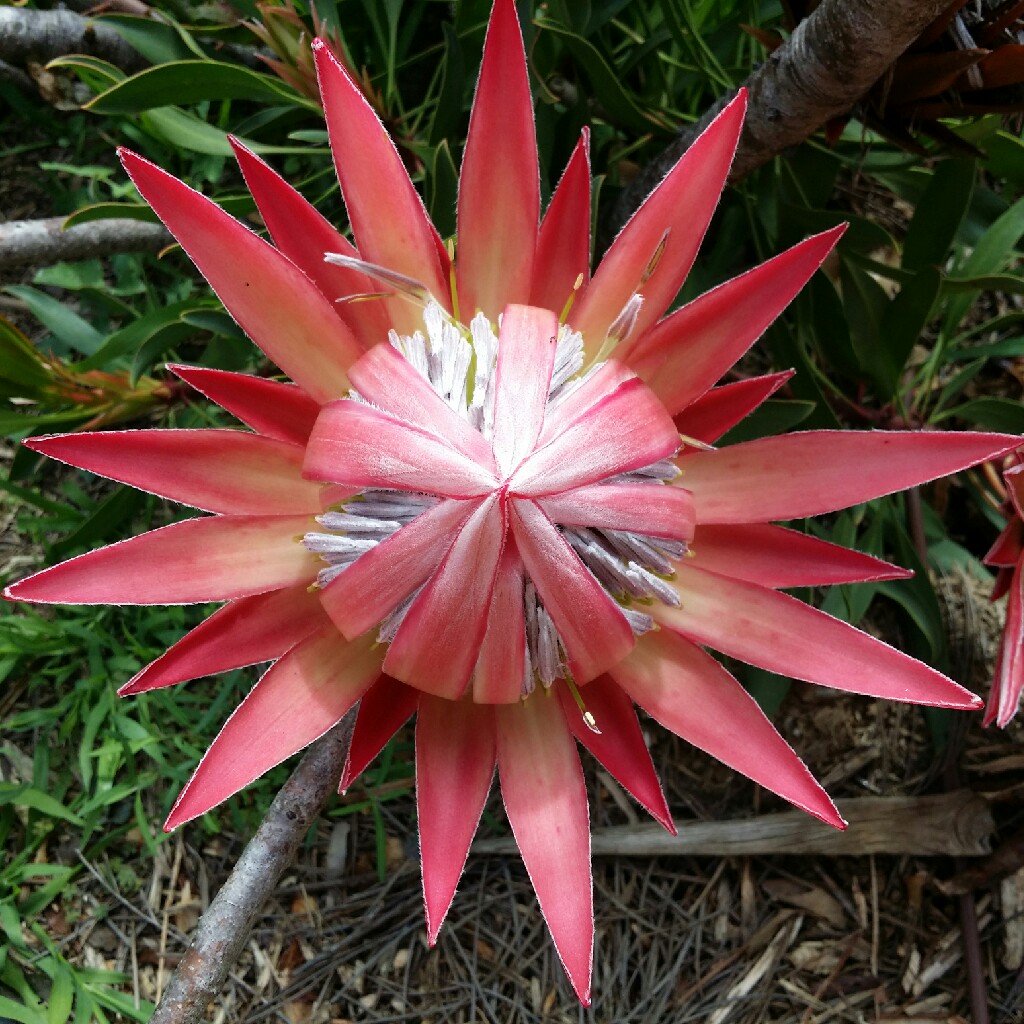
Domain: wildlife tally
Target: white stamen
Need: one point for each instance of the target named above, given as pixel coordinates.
(622, 326)
(485, 345)
(408, 287)
(389, 627)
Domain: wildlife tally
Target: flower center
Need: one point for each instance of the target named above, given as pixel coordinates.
(460, 364)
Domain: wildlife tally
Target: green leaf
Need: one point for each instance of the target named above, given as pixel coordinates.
(442, 190)
(448, 111)
(865, 303)
(96, 73)
(192, 81)
(130, 338)
(20, 1012)
(180, 129)
(159, 41)
(767, 688)
(905, 318)
(27, 796)
(103, 523)
(1013, 283)
(19, 362)
(66, 326)
(1002, 414)
(990, 255)
(938, 215)
(615, 100)
(62, 996)
(105, 211)
(1004, 156)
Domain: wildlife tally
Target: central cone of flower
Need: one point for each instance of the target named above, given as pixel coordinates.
(504, 514)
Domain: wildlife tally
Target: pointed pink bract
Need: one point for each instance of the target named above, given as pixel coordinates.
(272, 300)
(546, 801)
(194, 561)
(455, 758)
(563, 246)
(775, 631)
(388, 218)
(303, 695)
(228, 471)
(244, 632)
(674, 218)
(499, 190)
(806, 474)
(270, 407)
(689, 693)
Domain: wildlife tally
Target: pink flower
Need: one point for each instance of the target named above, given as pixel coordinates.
(500, 527)
(1007, 556)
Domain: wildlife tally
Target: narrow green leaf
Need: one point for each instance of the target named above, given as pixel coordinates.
(99, 74)
(157, 41)
(105, 211)
(608, 90)
(27, 796)
(939, 214)
(442, 190)
(62, 996)
(177, 127)
(133, 336)
(1002, 414)
(905, 317)
(66, 326)
(19, 362)
(771, 417)
(990, 255)
(865, 303)
(193, 81)
(20, 1012)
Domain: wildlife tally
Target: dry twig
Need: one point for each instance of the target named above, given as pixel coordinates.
(957, 824)
(224, 929)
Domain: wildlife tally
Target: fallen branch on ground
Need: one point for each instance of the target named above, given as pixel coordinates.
(224, 929)
(43, 242)
(27, 34)
(947, 824)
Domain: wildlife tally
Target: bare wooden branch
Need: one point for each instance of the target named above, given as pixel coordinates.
(224, 929)
(42, 242)
(830, 62)
(27, 35)
(957, 823)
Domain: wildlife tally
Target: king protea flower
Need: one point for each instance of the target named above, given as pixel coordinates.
(1007, 557)
(474, 506)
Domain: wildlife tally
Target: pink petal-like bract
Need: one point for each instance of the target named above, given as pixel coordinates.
(477, 484)
(499, 190)
(546, 801)
(455, 758)
(216, 470)
(270, 407)
(1007, 555)
(302, 696)
(272, 300)
(687, 691)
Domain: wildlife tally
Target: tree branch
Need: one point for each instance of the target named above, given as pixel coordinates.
(947, 823)
(224, 929)
(831, 61)
(27, 35)
(42, 242)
